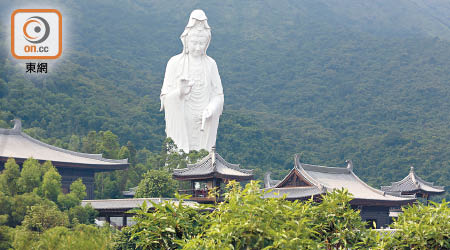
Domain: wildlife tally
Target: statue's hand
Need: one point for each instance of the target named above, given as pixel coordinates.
(207, 113)
(185, 86)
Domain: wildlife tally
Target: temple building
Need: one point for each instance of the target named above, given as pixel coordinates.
(413, 184)
(212, 172)
(305, 181)
(70, 165)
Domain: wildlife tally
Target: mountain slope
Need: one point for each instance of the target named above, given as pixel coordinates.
(331, 79)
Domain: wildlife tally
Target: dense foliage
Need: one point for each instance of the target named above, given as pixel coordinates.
(63, 238)
(156, 183)
(35, 214)
(161, 226)
(422, 227)
(245, 220)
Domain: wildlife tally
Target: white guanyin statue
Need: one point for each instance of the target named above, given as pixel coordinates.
(192, 94)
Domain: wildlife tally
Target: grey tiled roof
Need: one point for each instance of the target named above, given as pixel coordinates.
(325, 179)
(293, 192)
(16, 144)
(213, 163)
(129, 203)
(413, 183)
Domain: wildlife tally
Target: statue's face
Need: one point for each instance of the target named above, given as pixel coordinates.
(197, 45)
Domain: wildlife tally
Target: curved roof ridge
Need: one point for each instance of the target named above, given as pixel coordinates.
(420, 180)
(236, 167)
(397, 183)
(199, 163)
(203, 162)
(224, 162)
(312, 180)
(86, 155)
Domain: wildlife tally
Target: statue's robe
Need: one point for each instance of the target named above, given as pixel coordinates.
(174, 103)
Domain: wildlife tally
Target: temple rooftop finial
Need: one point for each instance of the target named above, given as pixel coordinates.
(297, 163)
(17, 124)
(412, 169)
(349, 164)
(213, 154)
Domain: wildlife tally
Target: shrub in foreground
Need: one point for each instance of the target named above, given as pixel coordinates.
(422, 227)
(163, 226)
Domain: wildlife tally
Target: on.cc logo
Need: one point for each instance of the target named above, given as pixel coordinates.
(36, 34)
(39, 26)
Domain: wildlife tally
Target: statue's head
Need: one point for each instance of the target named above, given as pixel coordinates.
(197, 34)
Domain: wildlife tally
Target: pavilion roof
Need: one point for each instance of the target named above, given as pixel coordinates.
(314, 180)
(412, 184)
(213, 165)
(20, 146)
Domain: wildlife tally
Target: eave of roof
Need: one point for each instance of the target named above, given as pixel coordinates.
(213, 166)
(126, 204)
(20, 146)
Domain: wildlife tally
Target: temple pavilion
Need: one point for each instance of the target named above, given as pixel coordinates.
(413, 184)
(212, 172)
(70, 165)
(307, 181)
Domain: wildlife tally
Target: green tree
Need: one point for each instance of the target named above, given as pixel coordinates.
(74, 143)
(89, 143)
(78, 189)
(156, 183)
(5, 238)
(51, 184)
(82, 214)
(9, 178)
(44, 216)
(67, 201)
(20, 205)
(109, 145)
(124, 153)
(30, 176)
(72, 199)
(132, 150)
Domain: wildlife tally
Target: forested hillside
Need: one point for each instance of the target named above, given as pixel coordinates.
(331, 80)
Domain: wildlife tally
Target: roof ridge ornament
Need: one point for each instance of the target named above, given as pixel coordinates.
(213, 154)
(213, 157)
(413, 177)
(349, 164)
(17, 124)
(297, 163)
